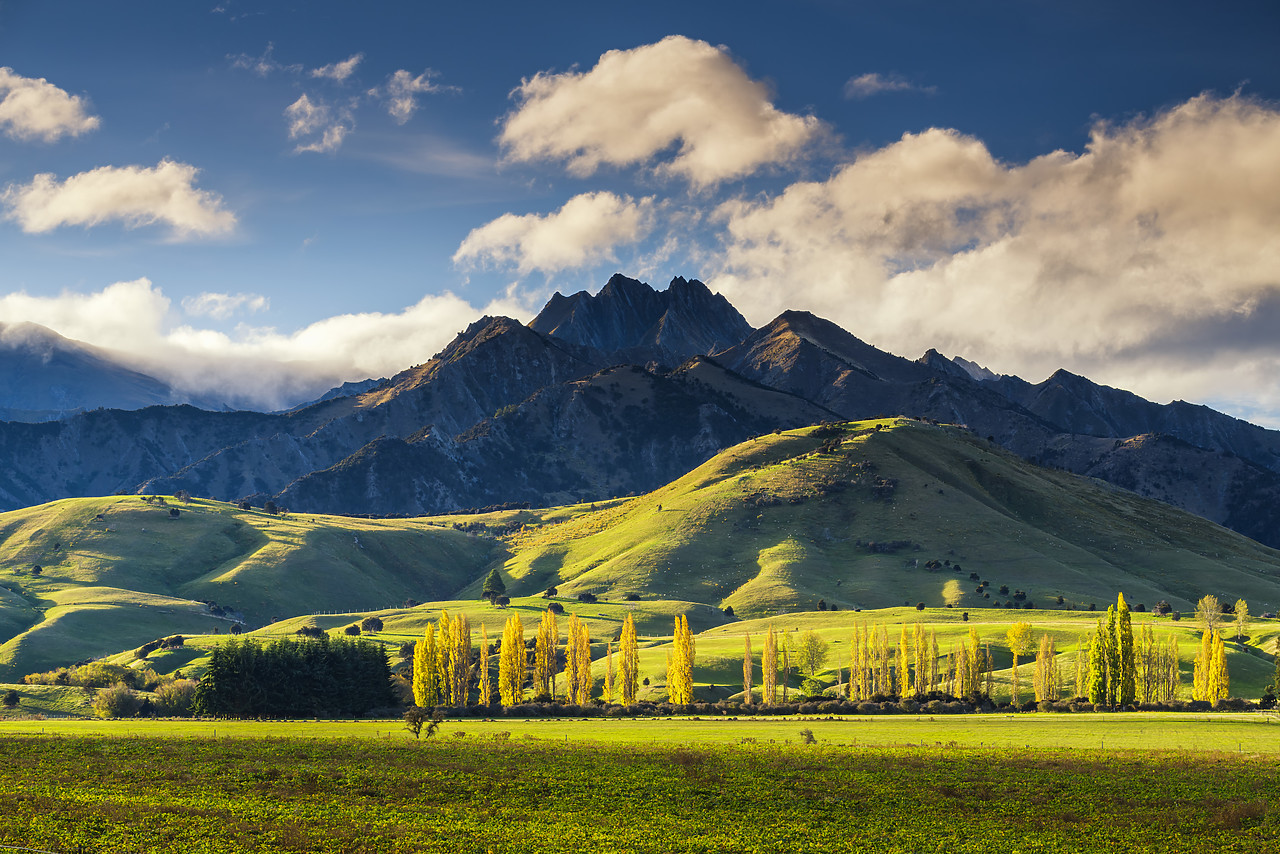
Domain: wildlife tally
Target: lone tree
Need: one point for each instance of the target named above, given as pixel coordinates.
(812, 651)
(371, 624)
(493, 586)
(1209, 613)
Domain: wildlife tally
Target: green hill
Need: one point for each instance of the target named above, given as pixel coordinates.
(877, 514)
(117, 572)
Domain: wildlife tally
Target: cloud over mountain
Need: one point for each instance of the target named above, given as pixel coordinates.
(1163, 227)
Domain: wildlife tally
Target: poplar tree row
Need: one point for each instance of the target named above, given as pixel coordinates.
(444, 667)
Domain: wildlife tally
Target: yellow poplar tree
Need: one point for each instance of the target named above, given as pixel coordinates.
(1204, 664)
(630, 666)
(486, 680)
(511, 662)
(426, 681)
(769, 669)
(608, 672)
(746, 668)
(903, 686)
(1219, 680)
(680, 664)
(544, 655)
(577, 667)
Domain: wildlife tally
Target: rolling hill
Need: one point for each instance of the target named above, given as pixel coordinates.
(884, 513)
(117, 572)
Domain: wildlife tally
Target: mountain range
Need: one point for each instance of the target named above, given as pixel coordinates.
(619, 393)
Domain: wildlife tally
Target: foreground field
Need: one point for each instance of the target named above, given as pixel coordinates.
(368, 795)
(1256, 734)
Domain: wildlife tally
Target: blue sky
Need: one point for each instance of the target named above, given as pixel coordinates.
(287, 195)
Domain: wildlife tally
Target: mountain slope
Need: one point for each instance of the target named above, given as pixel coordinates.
(855, 515)
(44, 376)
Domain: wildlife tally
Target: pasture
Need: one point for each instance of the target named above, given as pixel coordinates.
(646, 786)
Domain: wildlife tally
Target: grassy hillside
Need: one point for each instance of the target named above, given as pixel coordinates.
(117, 572)
(876, 514)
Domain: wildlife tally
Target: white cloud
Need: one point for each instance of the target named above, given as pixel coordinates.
(133, 195)
(263, 65)
(584, 231)
(874, 83)
(635, 105)
(403, 89)
(33, 108)
(252, 366)
(1102, 261)
(316, 125)
(223, 306)
(339, 71)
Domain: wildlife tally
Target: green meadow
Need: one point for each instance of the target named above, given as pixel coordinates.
(500, 790)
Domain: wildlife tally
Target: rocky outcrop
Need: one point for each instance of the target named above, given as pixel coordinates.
(634, 323)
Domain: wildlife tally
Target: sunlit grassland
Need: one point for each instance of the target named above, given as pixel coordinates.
(1248, 733)
(116, 572)
(372, 795)
(777, 523)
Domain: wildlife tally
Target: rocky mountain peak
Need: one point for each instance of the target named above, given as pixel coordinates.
(633, 322)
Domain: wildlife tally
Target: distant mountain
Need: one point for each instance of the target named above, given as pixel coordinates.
(619, 392)
(635, 323)
(44, 376)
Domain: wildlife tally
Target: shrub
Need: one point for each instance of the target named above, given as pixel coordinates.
(555, 608)
(118, 701)
(728, 610)
(587, 597)
(352, 630)
(551, 591)
(631, 597)
(317, 632)
(371, 624)
(806, 736)
(174, 699)
(11, 698)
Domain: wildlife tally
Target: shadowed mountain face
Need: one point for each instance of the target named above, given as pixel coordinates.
(638, 324)
(44, 376)
(516, 413)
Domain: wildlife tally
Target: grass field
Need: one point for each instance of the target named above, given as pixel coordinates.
(507, 793)
(1255, 734)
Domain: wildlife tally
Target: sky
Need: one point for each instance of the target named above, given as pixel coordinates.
(256, 201)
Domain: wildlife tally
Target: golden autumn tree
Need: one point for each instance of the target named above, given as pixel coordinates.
(607, 695)
(769, 668)
(680, 663)
(485, 678)
(577, 668)
(746, 668)
(629, 669)
(544, 656)
(426, 678)
(511, 662)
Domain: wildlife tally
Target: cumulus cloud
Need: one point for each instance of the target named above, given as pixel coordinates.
(339, 71)
(223, 306)
(403, 90)
(1099, 261)
(33, 108)
(262, 367)
(584, 231)
(874, 83)
(679, 99)
(317, 126)
(132, 195)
